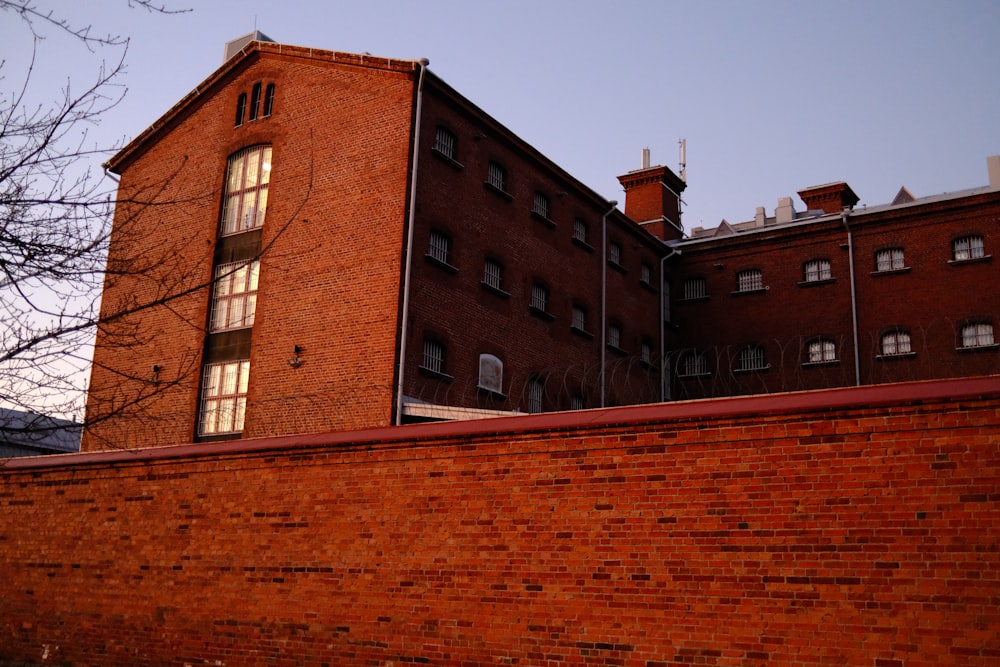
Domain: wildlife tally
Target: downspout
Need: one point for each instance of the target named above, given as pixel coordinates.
(604, 291)
(664, 385)
(844, 215)
(405, 308)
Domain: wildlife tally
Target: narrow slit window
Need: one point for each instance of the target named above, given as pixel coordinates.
(269, 100)
(241, 109)
(255, 100)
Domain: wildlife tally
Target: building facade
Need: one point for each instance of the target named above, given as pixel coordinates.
(838, 295)
(316, 241)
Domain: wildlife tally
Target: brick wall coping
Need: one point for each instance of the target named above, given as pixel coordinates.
(698, 410)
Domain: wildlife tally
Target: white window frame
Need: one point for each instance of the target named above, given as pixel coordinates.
(222, 409)
(750, 280)
(248, 175)
(821, 351)
(977, 334)
(816, 270)
(968, 248)
(890, 259)
(895, 343)
(234, 296)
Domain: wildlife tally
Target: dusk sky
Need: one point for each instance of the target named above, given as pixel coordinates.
(771, 96)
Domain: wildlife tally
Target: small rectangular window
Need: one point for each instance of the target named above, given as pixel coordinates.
(645, 274)
(224, 398)
(615, 336)
(580, 230)
(895, 343)
(750, 280)
(890, 259)
(693, 363)
(695, 288)
(490, 373)
(752, 358)
(493, 274)
(536, 395)
(816, 270)
(439, 246)
(615, 253)
(579, 320)
(444, 143)
(496, 176)
(821, 351)
(539, 297)
(576, 402)
(433, 356)
(540, 205)
(968, 247)
(646, 352)
(978, 334)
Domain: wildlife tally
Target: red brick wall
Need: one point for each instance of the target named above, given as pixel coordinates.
(855, 526)
(330, 270)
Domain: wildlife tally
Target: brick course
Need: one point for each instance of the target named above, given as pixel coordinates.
(852, 526)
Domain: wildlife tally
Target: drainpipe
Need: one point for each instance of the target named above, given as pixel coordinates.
(405, 309)
(604, 291)
(664, 384)
(844, 215)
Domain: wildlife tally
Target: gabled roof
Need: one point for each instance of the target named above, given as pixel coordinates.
(243, 57)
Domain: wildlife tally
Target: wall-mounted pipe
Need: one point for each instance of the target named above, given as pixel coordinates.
(664, 371)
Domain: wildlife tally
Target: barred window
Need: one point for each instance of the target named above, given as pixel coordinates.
(615, 336)
(645, 274)
(968, 247)
(695, 288)
(576, 402)
(444, 142)
(433, 356)
(540, 205)
(977, 334)
(496, 176)
(895, 343)
(224, 398)
(750, 280)
(439, 246)
(646, 352)
(539, 297)
(890, 259)
(752, 358)
(580, 230)
(579, 320)
(536, 395)
(245, 199)
(693, 363)
(234, 295)
(493, 274)
(822, 350)
(816, 270)
(615, 253)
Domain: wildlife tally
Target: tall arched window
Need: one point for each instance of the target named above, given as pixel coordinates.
(241, 109)
(245, 199)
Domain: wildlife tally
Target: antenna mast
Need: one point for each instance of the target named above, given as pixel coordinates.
(682, 150)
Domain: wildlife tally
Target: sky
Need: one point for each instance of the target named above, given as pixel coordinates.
(771, 96)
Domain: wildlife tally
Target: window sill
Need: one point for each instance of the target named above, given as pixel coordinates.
(817, 283)
(744, 292)
(689, 376)
(820, 364)
(647, 364)
(440, 264)
(435, 374)
(617, 267)
(744, 371)
(617, 350)
(543, 314)
(583, 333)
(495, 290)
(978, 348)
(972, 260)
(543, 219)
(695, 299)
(497, 191)
(580, 243)
(891, 357)
(890, 272)
(492, 393)
(218, 437)
(450, 161)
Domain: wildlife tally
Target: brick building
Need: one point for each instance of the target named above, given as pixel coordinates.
(314, 241)
(838, 295)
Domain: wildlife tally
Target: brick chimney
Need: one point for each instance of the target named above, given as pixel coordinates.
(831, 198)
(652, 199)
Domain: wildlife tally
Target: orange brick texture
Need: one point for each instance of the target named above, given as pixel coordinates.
(847, 527)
